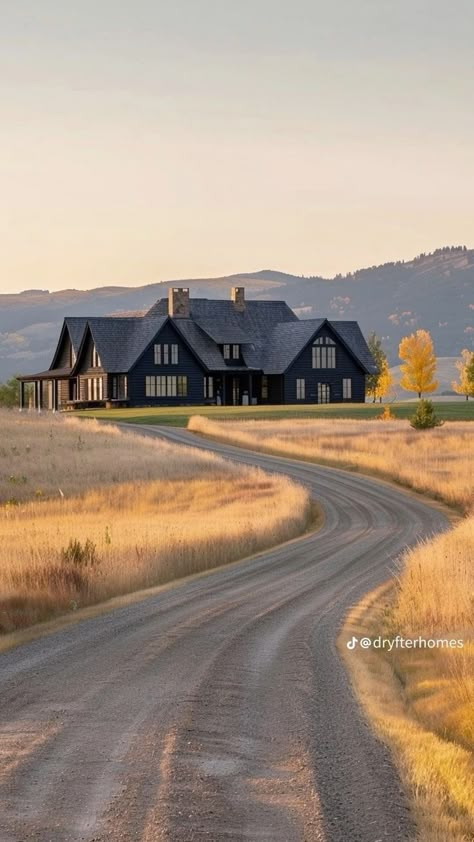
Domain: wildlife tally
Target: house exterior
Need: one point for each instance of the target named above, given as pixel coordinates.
(202, 351)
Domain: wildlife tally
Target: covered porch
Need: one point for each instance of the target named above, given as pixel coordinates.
(236, 387)
(47, 390)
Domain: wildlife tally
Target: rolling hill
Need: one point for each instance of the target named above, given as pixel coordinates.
(434, 291)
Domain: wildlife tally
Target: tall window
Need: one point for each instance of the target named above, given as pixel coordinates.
(208, 387)
(163, 353)
(235, 352)
(226, 352)
(95, 389)
(119, 387)
(324, 353)
(300, 389)
(346, 388)
(324, 393)
(182, 386)
(95, 359)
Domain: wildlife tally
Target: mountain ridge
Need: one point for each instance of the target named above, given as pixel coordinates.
(434, 291)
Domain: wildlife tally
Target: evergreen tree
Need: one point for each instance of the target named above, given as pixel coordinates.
(425, 417)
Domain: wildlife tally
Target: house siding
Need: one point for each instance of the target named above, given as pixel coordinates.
(346, 367)
(187, 365)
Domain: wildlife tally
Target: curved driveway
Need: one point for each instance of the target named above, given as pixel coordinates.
(217, 709)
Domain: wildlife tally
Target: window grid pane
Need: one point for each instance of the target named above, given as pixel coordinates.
(174, 354)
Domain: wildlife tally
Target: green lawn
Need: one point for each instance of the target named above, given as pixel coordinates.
(178, 416)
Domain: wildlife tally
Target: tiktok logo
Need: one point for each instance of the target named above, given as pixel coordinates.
(351, 644)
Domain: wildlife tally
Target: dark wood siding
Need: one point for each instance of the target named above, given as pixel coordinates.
(64, 359)
(187, 365)
(346, 367)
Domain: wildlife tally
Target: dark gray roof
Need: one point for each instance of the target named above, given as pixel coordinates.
(351, 334)
(286, 342)
(50, 374)
(270, 335)
(201, 343)
(76, 326)
(121, 341)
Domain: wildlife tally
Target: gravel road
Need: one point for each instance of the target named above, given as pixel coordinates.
(218, 709)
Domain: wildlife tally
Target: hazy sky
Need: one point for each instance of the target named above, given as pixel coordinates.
(160, 139)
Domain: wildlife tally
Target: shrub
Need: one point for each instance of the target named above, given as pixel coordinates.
(82, 555)
(386, 415)
(425, 417)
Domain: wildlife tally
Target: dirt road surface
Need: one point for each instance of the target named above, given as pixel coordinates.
(219, 709)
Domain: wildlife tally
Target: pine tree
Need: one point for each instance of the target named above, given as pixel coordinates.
(418, 371)
(425, 417)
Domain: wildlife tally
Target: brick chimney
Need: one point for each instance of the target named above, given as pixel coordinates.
(238, 297)
(178, 302)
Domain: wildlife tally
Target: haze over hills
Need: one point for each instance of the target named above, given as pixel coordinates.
(433, 291)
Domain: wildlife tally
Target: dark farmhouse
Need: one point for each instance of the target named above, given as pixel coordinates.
(196, 351)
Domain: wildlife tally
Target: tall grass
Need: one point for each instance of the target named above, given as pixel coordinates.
(439, 462)
(102, 512)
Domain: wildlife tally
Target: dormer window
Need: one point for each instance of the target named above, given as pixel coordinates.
(324, 352)
(231, 352)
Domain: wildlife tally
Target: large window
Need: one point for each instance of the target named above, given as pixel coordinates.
(226, 352)
(346, 388)
(236, 352)
(324, 393)
(95, 389)
(208, 388)
(231, 352)
(300, 389)
(324, 353)
(166, 386)
(164, 353)
(119, 387)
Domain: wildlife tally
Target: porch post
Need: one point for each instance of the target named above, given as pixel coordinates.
(40, 395)
(22, 395)
(250, 389)
(55, 395)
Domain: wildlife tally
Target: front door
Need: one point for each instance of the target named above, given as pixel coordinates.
(236, 391)
(324, 393)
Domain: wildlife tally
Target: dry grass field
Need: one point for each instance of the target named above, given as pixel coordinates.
(421, 701)
(88, 512)
(438, 462)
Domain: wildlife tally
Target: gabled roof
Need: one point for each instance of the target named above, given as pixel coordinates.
(75, 327)
(351, 334)
(120, 341)
(286, 342)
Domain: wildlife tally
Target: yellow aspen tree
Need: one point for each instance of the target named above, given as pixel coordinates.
(465, 366)
(419, 363)
(384, 382)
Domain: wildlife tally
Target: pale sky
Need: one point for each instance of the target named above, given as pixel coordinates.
(156, 139)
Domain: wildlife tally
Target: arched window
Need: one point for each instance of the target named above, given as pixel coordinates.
(324, 352)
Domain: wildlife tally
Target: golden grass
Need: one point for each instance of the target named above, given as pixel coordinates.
(439, 462)
(437, 770)
(103, 512)
(421, 701)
